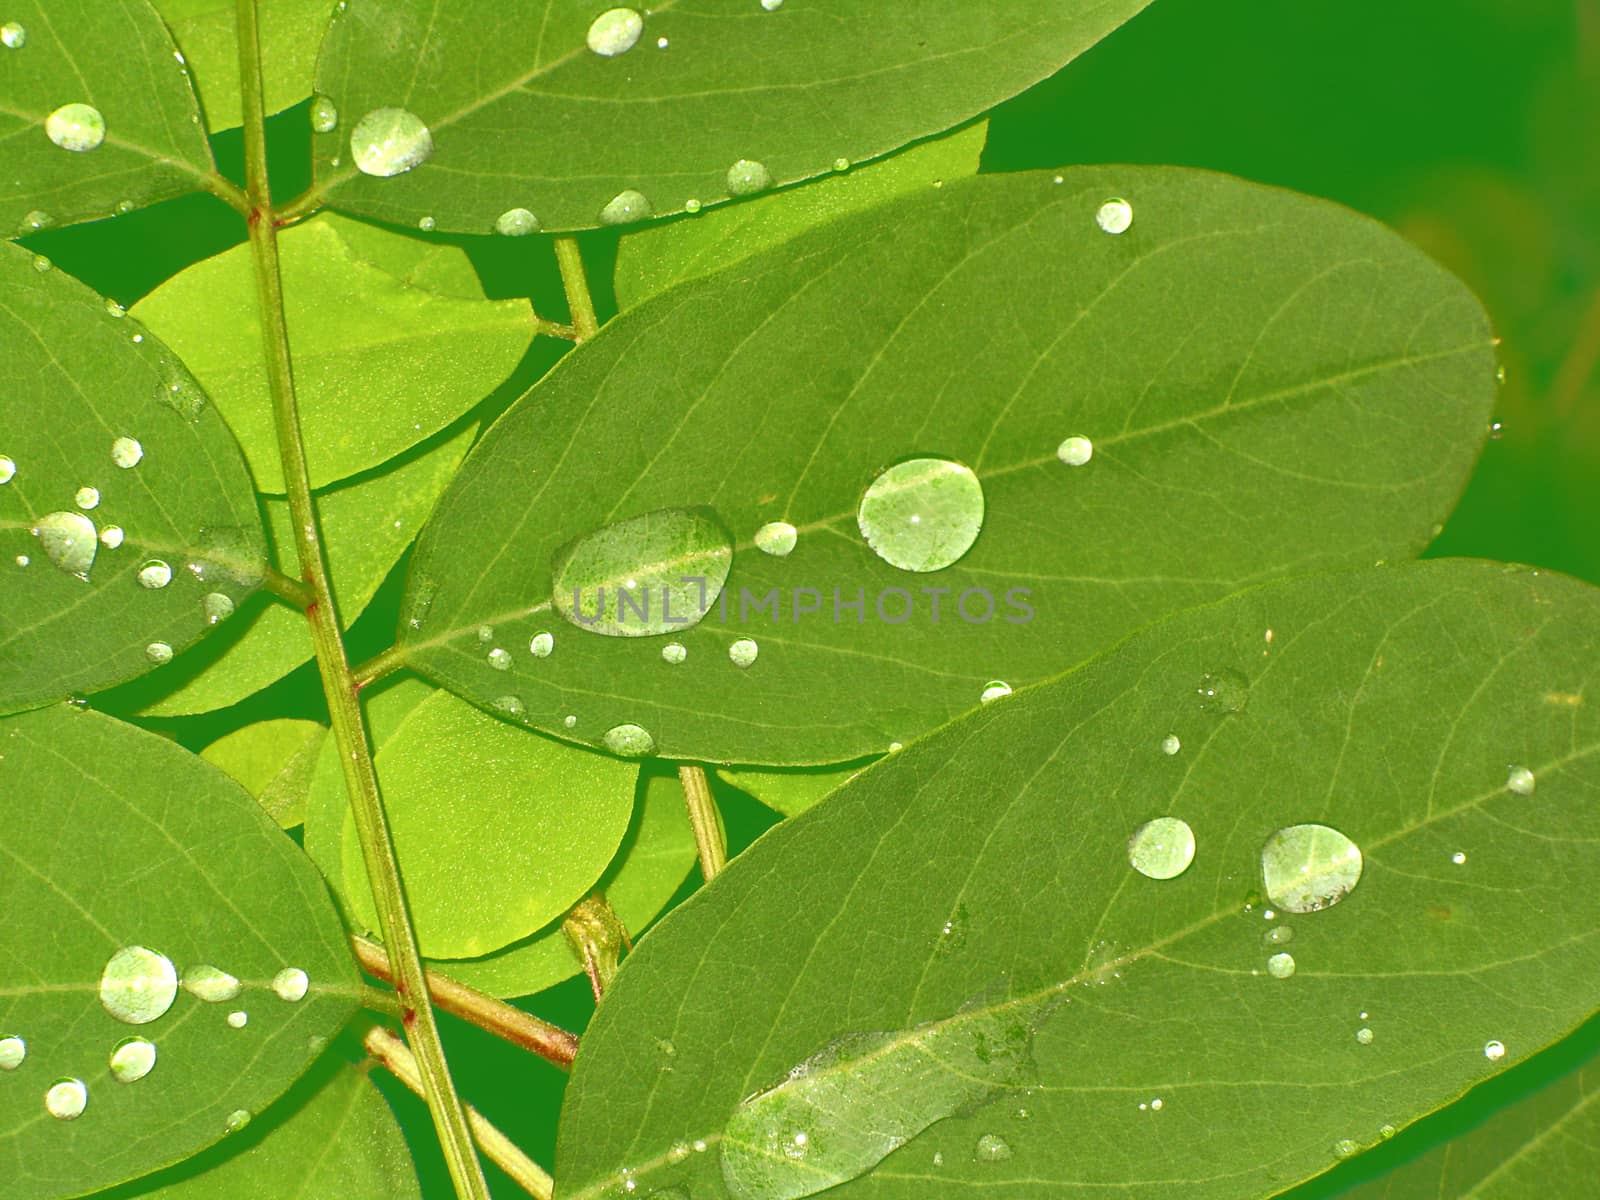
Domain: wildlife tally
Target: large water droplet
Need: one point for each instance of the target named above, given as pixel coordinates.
(324, 115)
(1162, 848)
(126, 452)
(138, 985)
(13, 36)
(69, 541)
(210, 984)
(516, 222)
(77, 127)
(542, 644)
(658, 573)
(1309, 867)
(155, 574)
(1281, 965)
(159, 653)
(12, 1051)
(777, 538)
(66, 1099)
(1114, 216)
(995, 689)
(8, 469)
(291, 984)
(747, 177)
(615, 31)
(630, 741)
(626, 207)
(1225, 691)
(217, 607)
(743, 652)
(390, 141)
(1521, 781)
(922, 514)
(1075, 451)
(132, 1060)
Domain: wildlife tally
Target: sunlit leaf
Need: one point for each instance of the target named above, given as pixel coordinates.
(273, 761)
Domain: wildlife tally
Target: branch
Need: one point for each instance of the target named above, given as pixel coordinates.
(709, 836)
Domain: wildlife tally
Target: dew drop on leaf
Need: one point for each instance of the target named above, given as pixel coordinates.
(159, 653)
(630, 741)
(922, 514)
(1162, 848)
(390, 141)
(13, 36)
(1075, 451)
(1114, 216)
(111, 536)
(87, 498)
(291, 984)
(1520, 780)
(66, 1099)
(1364, 1036)
(516, 222)
(991, 1147)
(427, 224)
(324, 115)
(238, 1020)
(1225, 691)
(743, 652)
(13, 1050)
(217, 607)
(210, 984)
(626, 207)
(237, 1120)
(1346, 1148)
(68, 540)
(512, 706)
(542, 644)
(747, 177)
(8, 469)
(76, 127)
(772, 5)
(132, 1059)
(1306, 868)
(1459, 857)
(1170, 744)
(155, 574)
(615, 31)
(995, 689)
(1278, 935)
(138, 985)
(674, 653)
(1494, 1051)
(1281, 965)
(500, 659)
(126, 452)
(777, 538)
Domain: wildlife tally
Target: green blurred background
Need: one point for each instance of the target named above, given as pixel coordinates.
(1470, 125)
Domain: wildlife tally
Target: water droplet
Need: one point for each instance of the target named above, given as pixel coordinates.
(117, 312)
(427, 224)
(772, 5)
(237, 1120)
(1157, 1104)
(516, 222)
(541, 645)
(1279, 935)
(777, 538)
(23, 560)
(132, 1060)
(66, 1099)
(486, 634)
(124, 207)
(841, 163)
(1387, 1131)
(500, 659)
(1346, 1148)
(995, 689)
(1281, 965)
(138, 985)
(1114, 216)
(8, 469)
(324, 115)
(217, 607)
(662, 43)
(1075, 451)
(41, 264)
(390, 141)
(1309, 867)
(1364, 1036)
(922, 514)
(12, 1051)
(1459, 857)
(111, 536)
(692, 206)
(76, 127)
(743, 652)
(68, 539)
(630, 741)
(615, 31)
(290, 984)
(1520, 780)
(747, 177)
(1170, 744)
(625, 207)
(35, 221)
(656, 573)
(991, 1147)
(1497, 430)
(674, 652)
(159, 653)
(210, 984)
(1162, 848)
(1225, 691)
(1494, 1051)
(155, 574)
(569, 721)
(13, 36)
(238, 1020)
(87, 498)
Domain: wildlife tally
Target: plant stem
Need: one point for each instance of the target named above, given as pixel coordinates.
(229, 193)
(291, 591)
(303, 205)
(527, 1174)
(344, 710)
(579, 303)
(379, 666)
(710, 839)
(521, 1029)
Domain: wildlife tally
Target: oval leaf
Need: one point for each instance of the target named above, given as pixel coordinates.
(127, 523)
(273, 761)
(1086, 1031)
(116, 838)
(711, 98)
(1320, 375)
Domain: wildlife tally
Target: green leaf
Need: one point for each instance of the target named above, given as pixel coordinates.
(143, 141)
(291, 31)
(116, 838)
(797, 92)
(111, 463)
(273, 761)
(379, 365)
(1047, 1017)
(341, 1141)
(366, 527)
(656, 259)
(1316, 398)
(789, 792)
(537, 821)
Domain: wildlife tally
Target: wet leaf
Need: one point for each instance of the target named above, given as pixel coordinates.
(1317, 398)
(1046, 1016)
(146, 524)
(797, 92)
(379, 365)
(273, 761)
(116, 838)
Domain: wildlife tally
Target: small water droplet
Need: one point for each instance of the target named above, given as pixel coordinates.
(1170, 744)
(41, 264)
(159, 653)
(1278, 935)
(1364, 1036)
(1075, 451)
(995, 689)
(1309, 867)
(324, 115)
(629, 741)
(512, 706)
(111, 536)
(674, 652)
(1162, 848)
(747, 177)
(541, 645)
(210, 984)
(486, 634)
(1459, 857)
(1157, 1104)
(1281, 965)
(76, 127)
(126, 452)
(662, 43)
(991, 1147)
(427, 224)
(1114, 216)
(155, 574)
(238, 1020)
(68, 539)
(1494, 1051)
(743, 652)
(132, 1059)
(569, 721)
(615, 31)
(626, 207)
(237, 1120)
(124, 207)
(841, 163)
(66, 1099)
(922, 514)
(291, 984)
(1387, 1131)
(8, 469)
(34, 221)
(390, 141)
(23, 560)
(777, 538)
(1520, 780)
(115, 310)
(87, 498)
(1225, 691)
(1346, 1148)
(12, 1051)
(500, 659)
(13, 36)
(217, 607)
(138, 985)
(1497, 430)
(772, 5)
(516, 222)
(691, 205)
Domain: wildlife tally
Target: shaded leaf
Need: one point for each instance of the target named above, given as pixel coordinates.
(1102, 1019)
(789, 792)
(1271, 384)
(796, 91)
(117, 838)
(113, 457)
(379, 365)
(116, 57)
(273, 761)
(656, 259)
